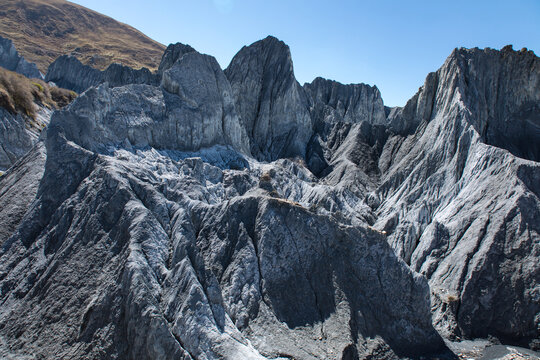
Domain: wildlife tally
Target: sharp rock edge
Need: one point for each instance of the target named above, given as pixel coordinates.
(18, 132)
(11, 60)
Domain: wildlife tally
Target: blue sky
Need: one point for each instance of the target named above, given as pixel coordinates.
(391, 44)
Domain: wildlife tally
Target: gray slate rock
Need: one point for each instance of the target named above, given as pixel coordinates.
(172, 54)
(164, 258)
(19, 133)
(462, 211)
(193, 109)
(170, 246)
(271, 103)
(333, 102)
(15, 141)
(11, 60)
(350, 127)
(69, 73)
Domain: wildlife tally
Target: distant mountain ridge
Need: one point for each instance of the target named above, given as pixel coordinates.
(44, 30)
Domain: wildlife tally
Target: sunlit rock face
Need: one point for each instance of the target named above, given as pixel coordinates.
(69, 73)
(459, 196)
(11, 60)
(239, 215)
(271, 103)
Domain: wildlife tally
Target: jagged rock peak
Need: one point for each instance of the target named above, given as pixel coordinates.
(201, 84)
(68, 72)
(193, 109)
(353, 102)
(501, 89)
(457, 202)
(272, 105)
(11, 60)
(172, 54)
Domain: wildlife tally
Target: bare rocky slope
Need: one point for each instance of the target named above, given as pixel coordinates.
(235, 214)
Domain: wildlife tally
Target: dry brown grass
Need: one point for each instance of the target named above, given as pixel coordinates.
(266, 177)
(20, 94)
(42, 30)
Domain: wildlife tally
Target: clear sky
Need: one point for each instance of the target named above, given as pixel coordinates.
(391, 44)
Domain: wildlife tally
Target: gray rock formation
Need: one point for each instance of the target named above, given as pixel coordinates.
(11, 60)
(332, 102)
(272, 105)
(69, 73)
(458, 205)
(154, 254)
(193, 109)
(350, 129)
(172, 54)
(151, 232)
(19, 133)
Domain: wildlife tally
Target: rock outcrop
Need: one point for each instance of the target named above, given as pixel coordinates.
(69, 73)
(11, 60)
(458, 204)
(349, 132)
(192, 109)
(172, 54)
(19, 133)
(238, 215)
(271, 103)
(333, 102)
(162, 255)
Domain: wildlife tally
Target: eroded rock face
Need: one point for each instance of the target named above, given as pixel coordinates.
(14, 139)
(19, 133)
(193, 109)
(170, 241)
(204, 90)
(172, 54)
(69, 73)
(350, 130)
(182, 257)
(271, 103)
(460, 211)
(11, 60)
(332, 102)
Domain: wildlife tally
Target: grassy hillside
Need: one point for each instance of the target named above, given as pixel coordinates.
(42, 30)
(20, 94)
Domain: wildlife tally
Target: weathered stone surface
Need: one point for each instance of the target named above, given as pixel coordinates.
(18, 190)
(172, 54)
(350, 130)
(192, 110)
(333, 102)
(460, 211)
(11, 60)
(207, 102)
(163, 256)
(69, 73)
(272, 105)
(18, 133)
(153, 233)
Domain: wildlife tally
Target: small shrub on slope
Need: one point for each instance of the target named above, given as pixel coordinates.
(20, 94)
